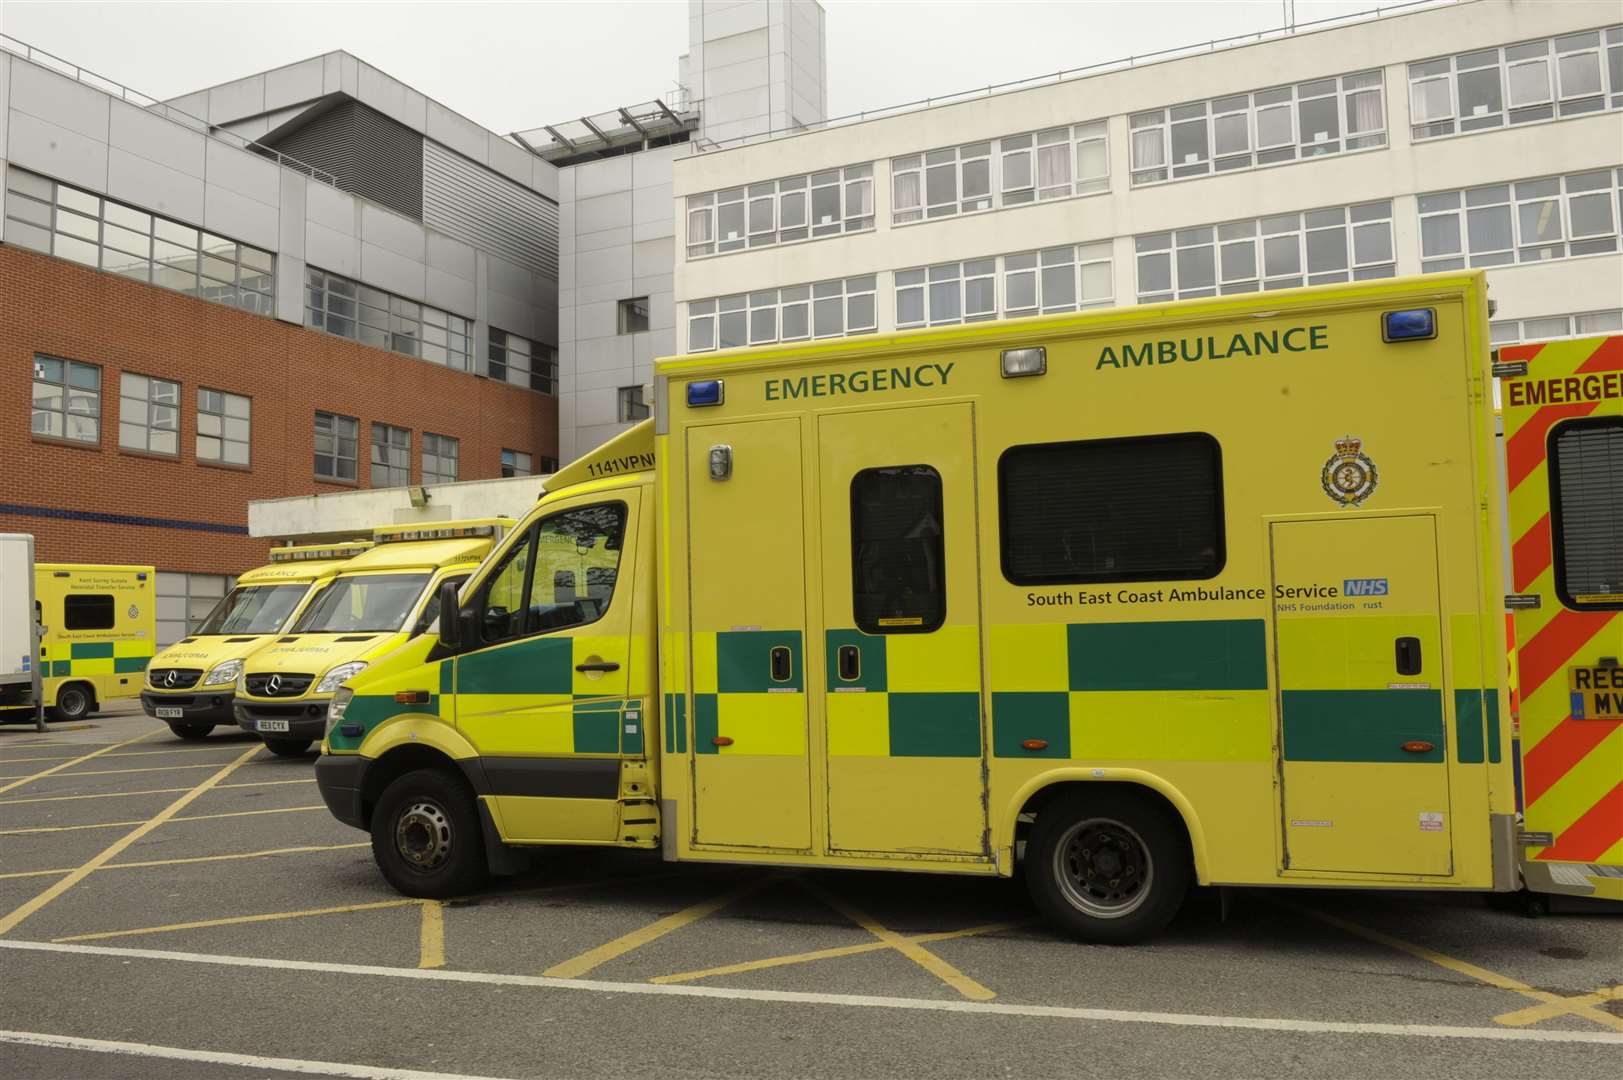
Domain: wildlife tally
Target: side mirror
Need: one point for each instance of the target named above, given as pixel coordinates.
(450, 616)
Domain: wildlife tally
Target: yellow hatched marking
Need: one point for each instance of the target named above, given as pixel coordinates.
(188, 817)
(121, 772)
(239, 920)
(113, 850)
(1030, 658)
(19, 781)
(909, 948)
(431, 935)
(831, 953)
(1463, 967)
(859, 724)
(1534, 1013)
(148, 791)
(577, 966)
(947, 661)
(146, 753)
(193, 859)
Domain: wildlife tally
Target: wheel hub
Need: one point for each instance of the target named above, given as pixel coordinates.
(423, 835)
(1103, 868)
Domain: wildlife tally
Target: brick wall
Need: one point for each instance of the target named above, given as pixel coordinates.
(61, 309)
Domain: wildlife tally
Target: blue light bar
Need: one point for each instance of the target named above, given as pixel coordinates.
(704, 392)
(1417, 324)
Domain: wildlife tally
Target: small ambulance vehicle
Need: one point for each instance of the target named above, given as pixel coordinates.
(98, 625)
(1122, 601)
(191, 683)
(373, 603)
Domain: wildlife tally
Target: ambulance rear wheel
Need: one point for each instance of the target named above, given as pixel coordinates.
(288, 747)
(73, 702)
(426, 835)
(1110, 867)
(191, 730)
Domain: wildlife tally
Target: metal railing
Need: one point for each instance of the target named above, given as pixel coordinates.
(124, 93)
(704, 144)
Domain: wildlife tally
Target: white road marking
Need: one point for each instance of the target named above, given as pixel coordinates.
(215, 1057)
(800, 997)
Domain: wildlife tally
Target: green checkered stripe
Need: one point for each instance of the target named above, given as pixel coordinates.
(743, 665)
(919, 723)
(97, 651)
(675, 721)
(1164, 657)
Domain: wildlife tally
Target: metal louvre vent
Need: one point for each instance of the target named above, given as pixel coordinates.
(279, 684)
(367, 153)
(1586, 481)
(174, 678)
(489, 211)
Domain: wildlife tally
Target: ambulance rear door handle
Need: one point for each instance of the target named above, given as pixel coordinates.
(598, 666)
(782, 668)
(850, 663)
(1408, 655)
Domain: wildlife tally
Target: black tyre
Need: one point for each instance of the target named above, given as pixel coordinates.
(73, 702)
(426, 835)
(191, 730)
(1110, 867)
(289, 747)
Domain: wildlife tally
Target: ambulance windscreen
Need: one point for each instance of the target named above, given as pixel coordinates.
(252, 609)
(362, 603)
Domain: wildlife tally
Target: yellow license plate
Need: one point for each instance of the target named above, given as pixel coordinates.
(1597, 692)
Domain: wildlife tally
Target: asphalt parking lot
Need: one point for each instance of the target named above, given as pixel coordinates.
(190, 909)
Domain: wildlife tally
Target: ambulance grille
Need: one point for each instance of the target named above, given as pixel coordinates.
(287, 684)
(174, 678)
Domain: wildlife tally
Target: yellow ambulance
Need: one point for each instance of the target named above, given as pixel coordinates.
(1121, 601)
(373, 603)
(190, 684)
(98, 629)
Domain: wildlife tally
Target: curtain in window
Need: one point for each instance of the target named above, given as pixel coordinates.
(1148, 149)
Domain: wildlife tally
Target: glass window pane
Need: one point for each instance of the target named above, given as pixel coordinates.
(1281, 255)
(1488, 228)
(1196, 268)
(1539, 221)
(1591, 214)
(1372, 243)
(1326, 250)
(897, 552)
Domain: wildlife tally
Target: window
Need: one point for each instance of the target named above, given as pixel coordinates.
(898, 560)
(67, 400)
(515, 463)
(523, 362)
(1586, 512)
(632, 405)
(1138, 509)
(1352, 243)
(348, 309)
(148, 414)
(88, 611)
(549, 465)
(1244, 131)
(1052, 280)
(223, 427)
(782, 211)
(391, 455)
(73, 224)
(185, 600)
(336, 446)
(1555, 327)
(1517, 84)
(1527, 221)
(1013, 171)
(795, 313)
(440, 454)
(559, 575)
(634, 315)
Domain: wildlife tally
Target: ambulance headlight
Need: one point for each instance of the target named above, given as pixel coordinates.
(337, 706)
(330, 681)
(220, 674)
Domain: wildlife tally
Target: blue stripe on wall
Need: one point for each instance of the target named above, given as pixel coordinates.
(121, 519)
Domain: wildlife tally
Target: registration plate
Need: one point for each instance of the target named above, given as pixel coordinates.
(1597, 692)
(271, 725)
(169, 712)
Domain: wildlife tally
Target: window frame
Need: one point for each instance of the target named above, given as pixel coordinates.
(1521, 249)
(630, 405)
(390, 450)
(510, 460)
(225, 419)
(337, 437)
(749, 312)
(1557, 522)
(67, 390)
(849, 189)
(925, 626)
(1220, 523)
(146, 424)
(627, 311)
(440, 443)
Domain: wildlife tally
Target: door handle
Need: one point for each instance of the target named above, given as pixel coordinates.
(850, 663)
(598, 666)
(1408, 656)
(781, 668)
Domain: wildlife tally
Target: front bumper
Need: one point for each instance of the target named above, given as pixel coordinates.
(200, 706)
(339, 778)
(305, 719)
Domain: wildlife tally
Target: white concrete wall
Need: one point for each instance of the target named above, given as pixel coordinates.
(1399, 172)
(356, 513)
(757, 65)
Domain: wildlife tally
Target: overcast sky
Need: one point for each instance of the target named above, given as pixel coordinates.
(518, 65)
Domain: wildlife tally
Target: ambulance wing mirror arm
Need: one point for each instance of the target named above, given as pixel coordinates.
(451, 623)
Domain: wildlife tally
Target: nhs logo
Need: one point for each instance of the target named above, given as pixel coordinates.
(1364, 586)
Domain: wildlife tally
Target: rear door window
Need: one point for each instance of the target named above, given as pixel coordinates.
(1586, 512)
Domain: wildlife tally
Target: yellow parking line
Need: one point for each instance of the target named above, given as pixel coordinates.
(921, 956)
(192, 859)
(238, 920)
(149, 791)
(577, 966)
(188, 817)
(1534, 1013)
(431, 935)
(19, 781)
(117, 847)
(830, 954)
(1462, 967)
(267, 783)
(121, 772)
(237, 745)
